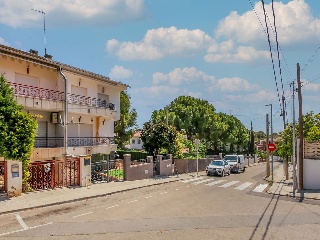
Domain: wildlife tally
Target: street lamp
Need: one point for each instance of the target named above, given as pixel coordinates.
(271, 141)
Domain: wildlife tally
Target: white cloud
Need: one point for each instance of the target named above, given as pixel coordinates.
(238, 55)
(161, 42)
(310, 86)
(119, 72)
(255, 97)
(291, 18)
(181, 76)
(3, 42)
(233, 85)
(17, 13)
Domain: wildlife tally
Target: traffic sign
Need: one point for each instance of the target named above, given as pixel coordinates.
(272, 147)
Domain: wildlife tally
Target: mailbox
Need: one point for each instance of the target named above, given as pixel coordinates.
(86, 162)
(15, 170)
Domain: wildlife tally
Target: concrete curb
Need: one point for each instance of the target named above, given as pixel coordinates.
(86, 198)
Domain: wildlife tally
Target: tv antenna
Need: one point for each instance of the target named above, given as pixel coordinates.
(44, 28)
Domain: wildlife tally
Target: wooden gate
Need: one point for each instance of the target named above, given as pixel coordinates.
(51, 174)
(2, 176)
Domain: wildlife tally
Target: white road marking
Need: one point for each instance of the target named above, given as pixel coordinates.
(260, 188)
(148, 197)
(112, 206)
(133, 201)
(191, 180)
(82, 214)
(229, 184)
(203, 181)
(22, 223)
(163, 193)
(215, 182)
(21, 230)
(177, 189)
(243, 186)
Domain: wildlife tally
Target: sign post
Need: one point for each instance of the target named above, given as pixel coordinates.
(197, 142)
(272, 147)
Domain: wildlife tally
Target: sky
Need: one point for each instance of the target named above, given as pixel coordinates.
(213, 50)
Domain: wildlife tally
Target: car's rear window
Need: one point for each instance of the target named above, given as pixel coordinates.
(231, 158)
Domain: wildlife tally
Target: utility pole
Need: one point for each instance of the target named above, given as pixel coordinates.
(285, 162)
(44, 29)
(300, 157)
(267, 158)
(293, 142)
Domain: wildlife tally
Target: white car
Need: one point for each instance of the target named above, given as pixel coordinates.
(236, 163)
(218, 167)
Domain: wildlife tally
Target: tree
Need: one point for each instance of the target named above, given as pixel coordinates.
(17, 128)
(125, 127)
(157, 136)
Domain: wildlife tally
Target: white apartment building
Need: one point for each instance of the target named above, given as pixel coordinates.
(76, 108)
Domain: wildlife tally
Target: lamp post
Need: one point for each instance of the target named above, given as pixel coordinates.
(271, 141)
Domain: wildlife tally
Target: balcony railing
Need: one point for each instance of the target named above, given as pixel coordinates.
(35, 92)
(29, 91)
(47, 142)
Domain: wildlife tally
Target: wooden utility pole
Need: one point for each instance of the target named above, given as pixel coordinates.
(267, 157)
(285, 161)
(300, 157)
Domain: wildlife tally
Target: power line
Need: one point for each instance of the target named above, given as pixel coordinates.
(270, 50)
(312, 58)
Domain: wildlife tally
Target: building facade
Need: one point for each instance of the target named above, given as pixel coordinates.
(75, 109)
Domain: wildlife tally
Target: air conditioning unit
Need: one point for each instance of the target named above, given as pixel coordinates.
(88, 150)
(54, 117)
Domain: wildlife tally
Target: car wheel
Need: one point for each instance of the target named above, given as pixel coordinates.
(244, 169)
(222, 174)
(208, 174)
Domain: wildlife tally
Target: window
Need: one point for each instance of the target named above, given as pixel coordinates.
(139, 141)
(133, 141)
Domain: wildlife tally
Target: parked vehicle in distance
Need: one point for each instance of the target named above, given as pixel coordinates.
(236, 163)
(218, 167)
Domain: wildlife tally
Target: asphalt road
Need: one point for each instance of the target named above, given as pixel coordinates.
(202, 209)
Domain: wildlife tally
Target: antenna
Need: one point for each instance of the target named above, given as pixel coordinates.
(44, 28)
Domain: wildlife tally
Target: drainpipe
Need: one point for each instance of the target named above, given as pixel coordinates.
(65, 121)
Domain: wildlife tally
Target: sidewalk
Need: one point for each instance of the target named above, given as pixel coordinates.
(44, 198)
(65, 195)
(284, 187)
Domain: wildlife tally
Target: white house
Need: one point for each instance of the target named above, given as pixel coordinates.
(136, 142)
(78, 108)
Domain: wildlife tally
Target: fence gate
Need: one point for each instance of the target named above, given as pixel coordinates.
(107, 171)
(67, 173)
(51, 174)
(2, 176)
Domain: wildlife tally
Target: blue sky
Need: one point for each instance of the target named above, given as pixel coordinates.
(213, 50)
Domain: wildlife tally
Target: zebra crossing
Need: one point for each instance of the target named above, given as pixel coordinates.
(221, 183)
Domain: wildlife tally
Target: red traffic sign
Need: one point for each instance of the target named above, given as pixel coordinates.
(272, 147)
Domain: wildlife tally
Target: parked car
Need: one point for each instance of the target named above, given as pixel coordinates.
(218, 167)
(236, 163)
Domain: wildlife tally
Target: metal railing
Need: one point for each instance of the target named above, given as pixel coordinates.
(36, 92)
(53, 142)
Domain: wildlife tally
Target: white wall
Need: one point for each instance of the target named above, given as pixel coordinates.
(311, 170)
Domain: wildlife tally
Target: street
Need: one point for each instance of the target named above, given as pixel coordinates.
(204, 207)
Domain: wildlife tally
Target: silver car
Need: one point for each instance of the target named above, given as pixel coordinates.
(218, 167)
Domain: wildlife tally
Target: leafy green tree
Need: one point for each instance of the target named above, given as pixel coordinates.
(17, 128)
(157, 136)
(125, 127)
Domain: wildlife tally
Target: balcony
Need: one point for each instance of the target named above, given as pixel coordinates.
(47, 142)
(50, 95)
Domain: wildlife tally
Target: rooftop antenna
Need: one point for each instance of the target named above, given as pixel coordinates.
(44, 28)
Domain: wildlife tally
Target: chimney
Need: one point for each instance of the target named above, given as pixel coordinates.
(33, 51)
(48, 56)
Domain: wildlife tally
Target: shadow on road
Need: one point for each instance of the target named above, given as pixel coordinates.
(270, 218)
